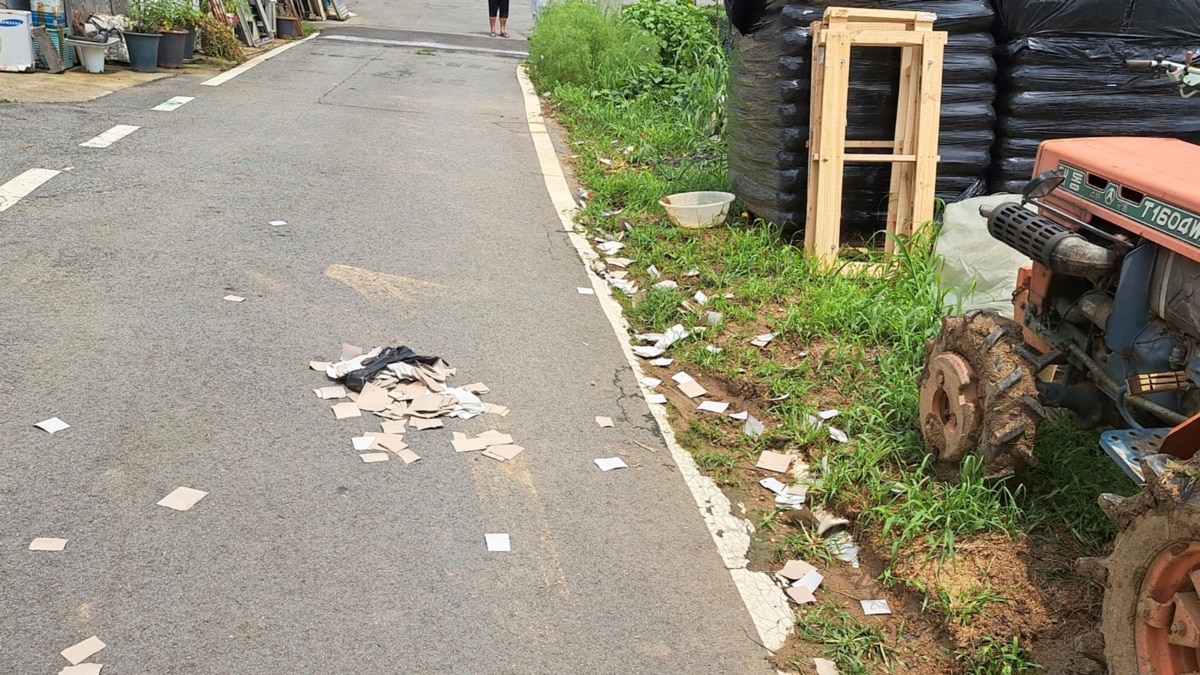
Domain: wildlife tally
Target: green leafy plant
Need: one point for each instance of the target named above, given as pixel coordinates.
(144, 16)
(857, 648)
(576, 43)
(994, 657)
(218, 41)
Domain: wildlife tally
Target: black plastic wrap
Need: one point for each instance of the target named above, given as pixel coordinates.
(1070, 87)
(1175, 20)
(768, 100)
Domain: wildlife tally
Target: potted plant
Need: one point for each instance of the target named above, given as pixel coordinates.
(141, 36)
(172, 21)
(190, 16)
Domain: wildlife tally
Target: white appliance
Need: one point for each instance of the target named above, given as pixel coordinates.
(16, 41)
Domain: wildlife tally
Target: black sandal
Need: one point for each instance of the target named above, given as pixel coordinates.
(504, 35)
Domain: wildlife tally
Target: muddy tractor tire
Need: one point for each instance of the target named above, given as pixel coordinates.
(1151, 615)
(978, 396)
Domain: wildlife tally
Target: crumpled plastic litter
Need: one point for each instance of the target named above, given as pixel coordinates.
(358, 371)
(662, 341)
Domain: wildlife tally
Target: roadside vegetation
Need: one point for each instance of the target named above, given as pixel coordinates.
(978, 573)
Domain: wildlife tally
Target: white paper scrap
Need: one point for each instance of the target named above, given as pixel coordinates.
(363, 442)
(827, 414)
(610, 463)
(650, 382)
(277, 223)
(825, 667)
(713, 350)
(372, 457)
(773, 484)
(762, 340)
(182, 498)
(52, 425)
(740, 416)
(838, 435)
(780, 398)
(656, 398)
(604, 422)
(662, 362)
(666, 283)
(713, 407)
(82, 669)
(873, 607)
(811, 581)
(234, 298)
(682, 378)
(753, 428)
(701, 297)
(47, 544)
(653, 272)
(82, 650)
(800, 595)
(498, 542)
(586, 291)
(693, 273)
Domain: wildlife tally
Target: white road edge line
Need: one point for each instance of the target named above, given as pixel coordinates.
(173, 103)
(12, 191)
(426, 45)
(109, 137)
(764, 599)
(234, 72)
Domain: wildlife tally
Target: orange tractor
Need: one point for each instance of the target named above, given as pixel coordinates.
(1106, 325)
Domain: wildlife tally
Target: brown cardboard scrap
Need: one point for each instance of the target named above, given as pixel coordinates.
(371, 457)
(410, 391)
(605, 422)
(469, 444)
(493, 437)
(427, 403)
(373, 398)
(47, 544)
(346, 410)
(774, 461)
(408, 456)
(421, 424)
(825, 667)
(350, 352)
(503, 452)
(693, 389)
(395, 427)
(478, 388)
(494, 409)
(182, 498)
(800, 594)
(319, 366)
(352, 395)
(795, 569)
(82, 650)
(82, 669)
(391, 442)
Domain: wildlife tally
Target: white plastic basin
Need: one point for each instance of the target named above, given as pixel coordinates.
(697, 210)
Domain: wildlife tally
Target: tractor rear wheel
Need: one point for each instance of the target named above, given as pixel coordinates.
(978, 396)
(1151, 616)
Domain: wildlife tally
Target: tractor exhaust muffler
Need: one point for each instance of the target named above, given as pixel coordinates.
(1047, 242)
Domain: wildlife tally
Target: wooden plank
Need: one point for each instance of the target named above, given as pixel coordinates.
(882, 15)
(880, 158)
(882, 38)
(882, 145)
(899, 215)
(816, 91)
(928, 122)
(50, 55)
(834, 96)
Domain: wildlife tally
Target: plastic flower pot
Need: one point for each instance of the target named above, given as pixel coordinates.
(143, 51)
(170, 48)
(189, 45)
(287, 27)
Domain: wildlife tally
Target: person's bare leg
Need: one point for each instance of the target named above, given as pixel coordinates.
(504, 27)
(492, 25)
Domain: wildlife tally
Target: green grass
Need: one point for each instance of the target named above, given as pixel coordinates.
(5, 99)
(965, 605)
(858, 649)
(994, 657)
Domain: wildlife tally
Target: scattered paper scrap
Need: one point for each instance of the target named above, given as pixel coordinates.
(838, 435)
(393, 442)
(421, 424)
(780, 398)
(52, 425)
(827, 414)
(795, 569)
(656, 398)
(825, 667)
(277, 223)
(682, 378)
(605, 422)
(653, 272)
(319, 366)
(494, 409)
(693, 389)
(477, 388)
(800, 595)
(873, 607)
(182, 498)
(650, 382)
(47, 544)
(610, 463)
(469, 444)
(753, 427)
(330, 392)
(701, 298)
(503, 453)
(375, 399)
(83, 650)
(586, 291)
(498, 542)
(713, 318)
(363, 442)
(392, 426)
(350, 352)
(346, 410)
(234, 298)
(662, 362)
(610, 247)
(372, 457)
(740, 416)
(82, 669)
(774, 461)
(666, 283)
(713, 350)
(774, 485)
(619, 262)
(493, 437)
(762, 340)
(713, 407)
(408, 456)
(811, 581)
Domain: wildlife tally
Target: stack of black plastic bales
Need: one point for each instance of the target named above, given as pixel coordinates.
(769, 84)
(1063, 75)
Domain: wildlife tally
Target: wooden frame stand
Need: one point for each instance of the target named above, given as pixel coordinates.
(912, 153)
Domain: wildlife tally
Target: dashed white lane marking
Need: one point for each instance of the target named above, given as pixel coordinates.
(109, 137)
(173, 103)
(12, 191)
(234, 72)
(441, 46)
(764, 599)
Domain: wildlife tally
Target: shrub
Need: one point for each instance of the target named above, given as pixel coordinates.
(689, 34)
(576, 43)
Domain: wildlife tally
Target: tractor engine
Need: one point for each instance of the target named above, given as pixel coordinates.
(1113, 291)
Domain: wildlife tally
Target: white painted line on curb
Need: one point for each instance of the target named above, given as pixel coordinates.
(234, 72)
(426, 45)
(12, 191)
(173, 103)
(765, 600)
(109, 137)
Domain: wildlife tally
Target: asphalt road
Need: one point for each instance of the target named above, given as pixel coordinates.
(415, 212)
